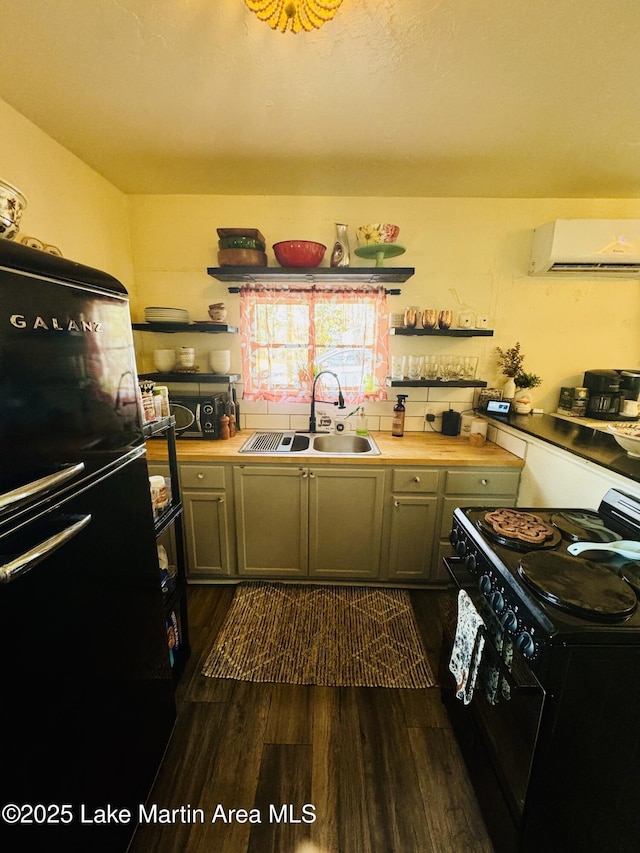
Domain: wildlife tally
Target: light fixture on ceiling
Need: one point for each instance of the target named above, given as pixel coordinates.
(294, 15)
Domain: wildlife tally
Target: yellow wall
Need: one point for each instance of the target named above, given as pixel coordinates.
(466, 252)
(68, 204)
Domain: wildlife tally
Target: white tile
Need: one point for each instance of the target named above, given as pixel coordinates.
(254, 407)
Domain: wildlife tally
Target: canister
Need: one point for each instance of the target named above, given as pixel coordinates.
(478, 434)
(450, 422)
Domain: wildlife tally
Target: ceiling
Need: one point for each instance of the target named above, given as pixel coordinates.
(502, 98)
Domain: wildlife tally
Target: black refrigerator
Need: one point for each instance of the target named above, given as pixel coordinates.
(86, 691)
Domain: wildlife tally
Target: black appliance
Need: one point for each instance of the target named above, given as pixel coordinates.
(551, 735)
(198, 416)
(606, 400)
(87, 704)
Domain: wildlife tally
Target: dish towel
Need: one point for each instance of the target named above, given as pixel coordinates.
(467, 647)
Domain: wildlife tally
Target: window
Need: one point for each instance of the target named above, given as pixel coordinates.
(288, 335)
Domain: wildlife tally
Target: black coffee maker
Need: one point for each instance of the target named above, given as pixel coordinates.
(606, 401)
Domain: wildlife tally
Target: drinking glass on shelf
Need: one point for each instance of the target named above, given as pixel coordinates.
(445, 319)
(429, 318)
(415, 366)
(457, 367)
(431, 366)
(411, 317)
(398, 366)
(470, 366)
(446, 367)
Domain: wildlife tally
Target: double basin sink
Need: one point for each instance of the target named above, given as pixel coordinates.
(310, 444)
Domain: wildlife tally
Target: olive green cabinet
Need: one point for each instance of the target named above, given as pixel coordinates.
(208, 521)
(322, 522)
(412, 512)
(329, 522)
(346, 507)
(271, 504)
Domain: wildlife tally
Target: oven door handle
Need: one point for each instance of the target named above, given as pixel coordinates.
(40, 486)
(26, 561)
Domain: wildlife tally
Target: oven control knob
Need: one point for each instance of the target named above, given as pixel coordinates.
(497, 601)
(453, 537)
(509, 621)
(461, 548)
(484, 584)
(525, 644)
(470, 562)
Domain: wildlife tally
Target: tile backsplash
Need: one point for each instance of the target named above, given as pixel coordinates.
(265, 415)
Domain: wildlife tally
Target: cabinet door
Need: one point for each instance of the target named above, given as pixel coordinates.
(207, 528)
(412, 538)
(271, 504)
(345, 522)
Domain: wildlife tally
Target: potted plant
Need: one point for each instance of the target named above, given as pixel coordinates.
(522, 397)
(518, 382)
(510, 361)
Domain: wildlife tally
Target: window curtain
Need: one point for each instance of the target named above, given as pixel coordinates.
(288, 335)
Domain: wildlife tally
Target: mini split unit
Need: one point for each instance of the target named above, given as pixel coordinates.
(589, 248)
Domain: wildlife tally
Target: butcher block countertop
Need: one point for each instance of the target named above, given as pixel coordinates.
(411, 449)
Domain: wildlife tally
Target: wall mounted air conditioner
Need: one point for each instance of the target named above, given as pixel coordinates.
(588, 248)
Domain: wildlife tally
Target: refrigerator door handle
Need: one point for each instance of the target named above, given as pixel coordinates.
(25, 562)
(36, 487)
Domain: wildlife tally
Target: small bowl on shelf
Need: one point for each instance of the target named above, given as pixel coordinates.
(299, 253)
(628, 437)
(378, 233)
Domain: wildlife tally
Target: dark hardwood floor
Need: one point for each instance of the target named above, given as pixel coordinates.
(378, 769)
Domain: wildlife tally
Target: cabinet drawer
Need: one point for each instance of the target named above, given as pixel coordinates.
(486, 482)
(202, 476)
(415, 480)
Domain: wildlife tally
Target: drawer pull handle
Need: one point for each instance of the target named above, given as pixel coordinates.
(200, 475)
(484, 481)
(396, 503)
(416, 479)
(220, 500)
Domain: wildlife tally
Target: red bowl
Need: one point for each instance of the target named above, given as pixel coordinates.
(299, 253)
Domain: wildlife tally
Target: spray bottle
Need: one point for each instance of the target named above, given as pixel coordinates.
(397, 428)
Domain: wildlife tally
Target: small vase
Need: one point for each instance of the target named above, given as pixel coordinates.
(522, 401)
(509, 389)
(340, 254)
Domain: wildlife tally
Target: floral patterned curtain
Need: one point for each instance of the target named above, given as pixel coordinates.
(288, 335)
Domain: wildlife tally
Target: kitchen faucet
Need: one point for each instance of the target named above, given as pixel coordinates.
(340, 404)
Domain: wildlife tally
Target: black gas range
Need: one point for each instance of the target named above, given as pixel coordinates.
(551, 734)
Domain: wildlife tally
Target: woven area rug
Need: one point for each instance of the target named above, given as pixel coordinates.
(325, 635)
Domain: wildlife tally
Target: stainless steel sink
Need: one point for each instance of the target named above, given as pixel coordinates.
(344, 443)
(272, 442)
